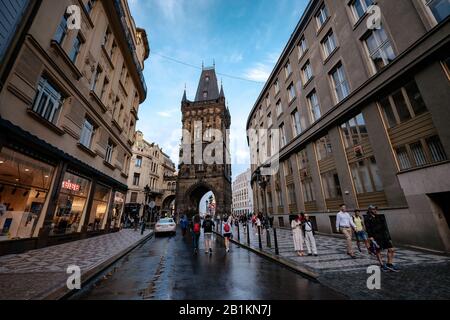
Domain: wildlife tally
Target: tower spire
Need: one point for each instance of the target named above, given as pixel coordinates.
(184, 95)
(221, 94)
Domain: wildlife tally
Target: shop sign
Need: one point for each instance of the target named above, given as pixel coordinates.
(71, 186)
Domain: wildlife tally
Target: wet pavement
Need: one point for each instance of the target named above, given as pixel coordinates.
(165, 269)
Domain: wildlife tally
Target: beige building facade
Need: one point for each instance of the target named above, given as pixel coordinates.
(151, 167)
(242, 193)
(68, 109)
(362, 115)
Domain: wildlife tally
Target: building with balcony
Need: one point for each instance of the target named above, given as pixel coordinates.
(242, 194)
(69, 101)
(152, 177)
(360, 114)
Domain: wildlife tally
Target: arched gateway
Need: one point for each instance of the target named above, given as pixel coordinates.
(204, 155)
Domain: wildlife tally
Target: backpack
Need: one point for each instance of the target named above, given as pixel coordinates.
(226, 228)
(197, 228)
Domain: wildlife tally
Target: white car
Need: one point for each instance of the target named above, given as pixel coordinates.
(165, 225)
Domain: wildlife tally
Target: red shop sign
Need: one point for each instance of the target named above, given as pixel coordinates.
(71, 186)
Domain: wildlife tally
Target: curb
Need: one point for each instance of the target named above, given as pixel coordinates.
(62, 292)
(293, 267)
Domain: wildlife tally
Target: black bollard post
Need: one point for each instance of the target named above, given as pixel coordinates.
(277, 252)
(248, 235)
(269, 243)
(239, 234)
(259, 238)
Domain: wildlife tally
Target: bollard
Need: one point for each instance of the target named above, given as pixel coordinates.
(248, 235)
(269, 243)
(259, 238)
(239, 234)
(277, 252)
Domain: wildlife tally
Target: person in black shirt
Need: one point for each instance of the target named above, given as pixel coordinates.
(380, 238)
(208, 227)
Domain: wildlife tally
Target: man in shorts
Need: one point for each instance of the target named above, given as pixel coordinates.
(380, 237)
(208, 227)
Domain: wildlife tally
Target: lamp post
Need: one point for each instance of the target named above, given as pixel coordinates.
(147, 200)
(262, 182)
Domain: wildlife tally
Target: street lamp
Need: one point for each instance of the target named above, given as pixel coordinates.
(147, 199)
(262, 182)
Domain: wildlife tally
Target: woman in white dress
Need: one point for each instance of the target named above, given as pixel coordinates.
(297, 234)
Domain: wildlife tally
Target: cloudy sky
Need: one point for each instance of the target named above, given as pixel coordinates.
(243, 37)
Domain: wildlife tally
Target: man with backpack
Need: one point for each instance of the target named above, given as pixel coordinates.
(208, 226)
(226, 231)
(196, 228)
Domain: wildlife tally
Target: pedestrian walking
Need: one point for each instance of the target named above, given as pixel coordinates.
(184, 223)
(208, 226)
(226, 231)
(297, 234)
(360, 231)
(345, 224)
(143, 226)
(380, 238)
(309, 236)
(258, 223)
(196, 228)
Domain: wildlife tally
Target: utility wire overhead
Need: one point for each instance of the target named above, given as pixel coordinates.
(200, 68)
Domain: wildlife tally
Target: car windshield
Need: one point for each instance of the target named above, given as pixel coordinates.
(165, 221)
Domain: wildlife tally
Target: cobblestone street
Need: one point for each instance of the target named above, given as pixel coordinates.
(423, 275)
(36, 273)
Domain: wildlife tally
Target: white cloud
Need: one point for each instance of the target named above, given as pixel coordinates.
(260, 72)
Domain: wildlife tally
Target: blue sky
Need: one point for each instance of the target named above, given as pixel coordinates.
(244, 37)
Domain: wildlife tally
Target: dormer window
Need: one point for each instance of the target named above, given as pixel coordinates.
(205, 94)
(207, 78)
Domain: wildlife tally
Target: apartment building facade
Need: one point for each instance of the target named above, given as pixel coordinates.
(68, 110)
(361, 109)
(242, 194)
(150, 167)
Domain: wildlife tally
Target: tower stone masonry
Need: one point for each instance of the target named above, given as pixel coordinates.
(199, 175)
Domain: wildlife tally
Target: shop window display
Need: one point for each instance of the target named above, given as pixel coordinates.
(98, 216)
(71, 204)
(119, 200)
(24, 186)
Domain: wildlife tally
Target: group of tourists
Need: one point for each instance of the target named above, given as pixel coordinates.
(370, 230)
(208, 225)
(303, 232)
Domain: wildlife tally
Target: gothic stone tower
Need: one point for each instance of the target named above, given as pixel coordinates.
(204, 157)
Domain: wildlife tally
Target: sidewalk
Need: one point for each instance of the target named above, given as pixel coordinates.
(41, 274)
(423, 275)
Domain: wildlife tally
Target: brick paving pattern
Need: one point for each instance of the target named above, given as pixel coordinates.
(423, 275)
(32, 274)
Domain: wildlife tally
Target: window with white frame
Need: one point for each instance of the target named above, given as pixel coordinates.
(366, 176)
(379, 49)
(138, 163)
(291, 92)
(136, 178)
(314, 106)
(109, 151)
(267, 101)
(279, 108)
(48, 101)
(277, 86)
(329, 44)
(269, 120)
(321, 16)
(296, 124)
(307, 72)
(339, 82)
(95, 77)
(282, 135)
(360, 7)
(287, 69)
(440, 9)
(87, 133)
(302, 47)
